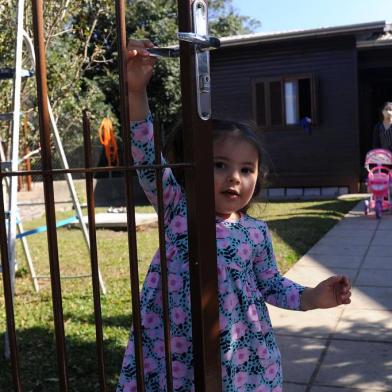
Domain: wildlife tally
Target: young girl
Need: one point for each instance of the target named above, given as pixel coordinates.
(248, 275)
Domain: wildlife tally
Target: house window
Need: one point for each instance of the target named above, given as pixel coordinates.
(285, 102)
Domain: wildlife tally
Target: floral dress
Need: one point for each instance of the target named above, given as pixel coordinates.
(247, 279)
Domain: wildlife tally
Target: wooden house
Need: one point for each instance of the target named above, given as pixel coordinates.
(336, 77)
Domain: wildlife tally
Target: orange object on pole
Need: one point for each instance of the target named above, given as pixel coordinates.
(108, 140)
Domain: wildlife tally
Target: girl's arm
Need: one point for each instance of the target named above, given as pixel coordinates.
(143, 153)
(276, 289)
(139, 71)
(284, 293)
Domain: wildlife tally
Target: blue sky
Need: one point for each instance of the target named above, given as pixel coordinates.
(280, 15)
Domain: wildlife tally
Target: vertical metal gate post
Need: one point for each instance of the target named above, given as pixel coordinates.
(201, 220)
(44, 126)
(131, 224)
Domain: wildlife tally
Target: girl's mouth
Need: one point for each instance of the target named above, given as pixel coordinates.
(231, 193)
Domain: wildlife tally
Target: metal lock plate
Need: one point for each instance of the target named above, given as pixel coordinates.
(200, 23)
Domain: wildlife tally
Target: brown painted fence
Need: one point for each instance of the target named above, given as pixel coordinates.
(201, 222)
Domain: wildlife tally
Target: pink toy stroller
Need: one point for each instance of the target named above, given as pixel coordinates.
(378, 164)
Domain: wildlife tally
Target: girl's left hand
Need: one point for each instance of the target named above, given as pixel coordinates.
(329, 293)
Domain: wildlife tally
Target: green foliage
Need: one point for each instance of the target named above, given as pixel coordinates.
(82, 59)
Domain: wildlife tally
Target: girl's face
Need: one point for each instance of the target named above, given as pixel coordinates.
(387, 112)
(235, 175)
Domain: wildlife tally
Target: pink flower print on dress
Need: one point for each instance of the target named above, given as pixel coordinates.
(265, 327)
(179, 369)
(221, 273)
(222, 321)
(244, 251)
(292, 298)
(152, 280)
(240, 379)
(138, 154)
(178, 315)
(153, 333)
(230, 302)
(222, 232)
(149, 365)
(158, 299)
(252, 313)
(287, 283)
(143, 134)
(150, 320)
(223, 243)
(262, 352)
(167, 194)
(241, 356)
(178, 224)
(256, 236)
(159, 348)
(179, 344)
(131, 386)
(277, 389)
(166, 174)
(271, 371)
(238, 330)
(228, 355)
(268, 273)
(175, 282)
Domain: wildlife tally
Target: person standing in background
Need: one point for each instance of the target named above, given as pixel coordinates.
(382, 131)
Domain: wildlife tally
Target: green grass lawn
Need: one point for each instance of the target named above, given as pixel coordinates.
(295, 227)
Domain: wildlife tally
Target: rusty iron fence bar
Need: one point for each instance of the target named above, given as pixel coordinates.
(94, 253)
(9, 303)
(43, 112)
(129, 192)
(201, 221)
(163, 260)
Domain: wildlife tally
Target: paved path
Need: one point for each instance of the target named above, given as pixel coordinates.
(348, 348)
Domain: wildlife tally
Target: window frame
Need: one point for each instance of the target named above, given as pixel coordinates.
(267, 99)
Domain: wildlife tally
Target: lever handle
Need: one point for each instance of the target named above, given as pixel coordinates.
(203, 42)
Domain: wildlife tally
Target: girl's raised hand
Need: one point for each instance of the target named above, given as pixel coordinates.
(139, 65)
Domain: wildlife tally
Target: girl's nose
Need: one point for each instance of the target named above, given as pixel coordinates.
(234, 176)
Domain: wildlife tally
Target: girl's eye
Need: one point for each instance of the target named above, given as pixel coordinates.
(219, 165)
(246, 170)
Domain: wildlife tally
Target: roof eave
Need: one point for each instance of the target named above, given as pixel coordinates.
(322, 32)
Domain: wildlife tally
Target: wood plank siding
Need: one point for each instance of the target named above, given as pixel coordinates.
(329, 155)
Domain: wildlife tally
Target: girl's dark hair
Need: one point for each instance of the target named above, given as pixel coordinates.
(174, 151)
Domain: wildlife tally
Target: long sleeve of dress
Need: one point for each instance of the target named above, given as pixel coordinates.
(143, 153)
(276, 289)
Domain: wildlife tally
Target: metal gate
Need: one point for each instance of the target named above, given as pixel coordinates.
(201, 214)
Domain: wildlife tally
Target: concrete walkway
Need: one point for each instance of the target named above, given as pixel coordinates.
(348, 348)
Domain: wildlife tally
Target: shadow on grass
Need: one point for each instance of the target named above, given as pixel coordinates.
(38, 363)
